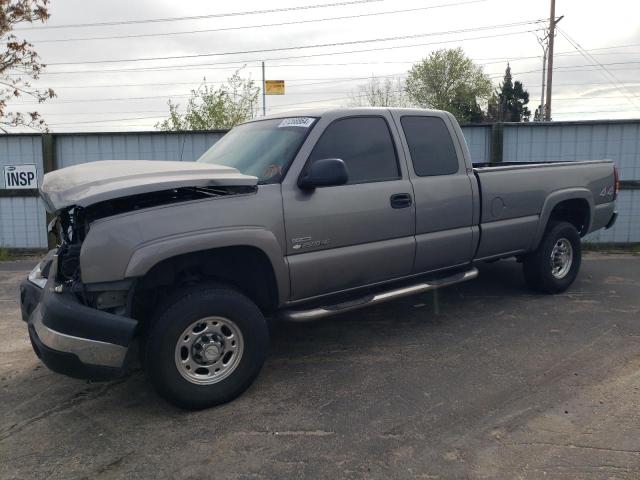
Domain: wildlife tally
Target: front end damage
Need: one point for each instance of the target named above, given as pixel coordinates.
(75, 329)
(86, 330)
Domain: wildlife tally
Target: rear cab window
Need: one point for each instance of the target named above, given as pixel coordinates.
(364, 144)
(430, 145)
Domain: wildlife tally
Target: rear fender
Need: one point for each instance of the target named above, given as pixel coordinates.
(552, 200)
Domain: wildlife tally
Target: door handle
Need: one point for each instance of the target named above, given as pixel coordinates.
(400, 200)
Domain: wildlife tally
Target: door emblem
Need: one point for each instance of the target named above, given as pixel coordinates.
(307, 242)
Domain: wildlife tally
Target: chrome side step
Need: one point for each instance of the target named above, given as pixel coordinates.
(321, 312)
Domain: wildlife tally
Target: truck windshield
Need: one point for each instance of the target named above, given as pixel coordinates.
(263, 148)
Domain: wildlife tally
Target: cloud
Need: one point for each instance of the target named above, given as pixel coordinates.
(591, 24)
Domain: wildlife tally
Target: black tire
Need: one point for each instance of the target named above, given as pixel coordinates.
(176, 315)
(538, 265)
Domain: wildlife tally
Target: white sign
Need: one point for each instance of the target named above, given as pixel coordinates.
(20, 176)
(304, 122)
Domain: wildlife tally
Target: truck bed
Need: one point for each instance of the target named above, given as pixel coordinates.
(514, 195)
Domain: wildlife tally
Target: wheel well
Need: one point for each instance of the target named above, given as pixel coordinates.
(575, 211)
(246, 268)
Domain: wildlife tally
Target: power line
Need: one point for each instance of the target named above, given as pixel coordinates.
(298, 47)
(122, 85)
(565, 69)
(321, 79)
(127, 127)
(345, 52)
(138, 112)
(84, 100)
(246, 64)
(120, 112)
(321, 82)
(199, 17)
(595, 111)
(110, 120)
(240, 64)
(264, 25)
(586, 55)
(213, 66)
(165, 113)
(300, 93)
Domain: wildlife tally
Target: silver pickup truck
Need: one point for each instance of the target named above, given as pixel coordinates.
(297, 216)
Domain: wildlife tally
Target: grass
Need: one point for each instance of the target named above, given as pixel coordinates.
(633, 248)
(7, 254)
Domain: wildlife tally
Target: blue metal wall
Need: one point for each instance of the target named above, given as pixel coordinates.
(22, 219)
(478, 139)
(73, 149)
(627, 227)
(618, 141)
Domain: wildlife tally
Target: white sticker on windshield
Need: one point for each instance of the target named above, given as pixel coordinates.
(304, 122)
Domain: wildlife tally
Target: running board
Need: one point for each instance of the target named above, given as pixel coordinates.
(321, 312)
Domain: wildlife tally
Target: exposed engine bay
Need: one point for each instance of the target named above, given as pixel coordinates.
(72, 224)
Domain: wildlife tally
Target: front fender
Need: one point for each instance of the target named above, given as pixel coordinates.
(553, 199)
(151, 253)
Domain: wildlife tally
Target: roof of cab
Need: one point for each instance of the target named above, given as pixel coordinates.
(336, 111)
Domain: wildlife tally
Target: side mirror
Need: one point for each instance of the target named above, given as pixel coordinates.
(327, 172)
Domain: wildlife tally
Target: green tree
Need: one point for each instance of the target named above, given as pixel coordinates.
(19, 62)
(233, 102)
(449, 80)
(509, 102)
(380, 93)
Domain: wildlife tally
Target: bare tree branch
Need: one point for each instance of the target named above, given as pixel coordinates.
(18, 59)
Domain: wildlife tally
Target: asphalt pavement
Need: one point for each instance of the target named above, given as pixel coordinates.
(480, 380)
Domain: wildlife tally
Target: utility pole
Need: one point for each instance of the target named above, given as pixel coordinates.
(544, 72)
(552, 35)
(544, 43)
(264, 94)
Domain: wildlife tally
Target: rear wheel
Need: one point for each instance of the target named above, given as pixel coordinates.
(206, 346)
(553, 267)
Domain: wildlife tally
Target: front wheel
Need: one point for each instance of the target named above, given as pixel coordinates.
(554, 266)
(206, 346)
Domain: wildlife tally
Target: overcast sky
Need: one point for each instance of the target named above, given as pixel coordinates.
(491, 32)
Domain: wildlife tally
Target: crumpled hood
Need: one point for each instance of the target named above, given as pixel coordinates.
(94, 182)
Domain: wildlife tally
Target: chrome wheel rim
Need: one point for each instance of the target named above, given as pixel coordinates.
(209, 350)
(561, 258)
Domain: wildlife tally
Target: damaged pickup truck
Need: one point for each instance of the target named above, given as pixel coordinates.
(298, 216)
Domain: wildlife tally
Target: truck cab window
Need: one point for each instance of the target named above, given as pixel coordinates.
(364, 144)
(430, 145)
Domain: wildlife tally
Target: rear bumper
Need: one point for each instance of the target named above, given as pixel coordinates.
(73, 339)
(612, 220)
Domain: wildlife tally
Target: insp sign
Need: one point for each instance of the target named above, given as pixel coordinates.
(20, 176)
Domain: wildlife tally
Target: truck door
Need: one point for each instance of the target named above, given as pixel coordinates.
(356, 234)
(443, 191)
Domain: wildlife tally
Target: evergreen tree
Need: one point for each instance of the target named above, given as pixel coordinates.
(509, 103)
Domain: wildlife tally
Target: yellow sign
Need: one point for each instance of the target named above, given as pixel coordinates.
(274, 87)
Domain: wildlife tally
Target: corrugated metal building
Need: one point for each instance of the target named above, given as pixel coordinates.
(22, 215)
(23, 218)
